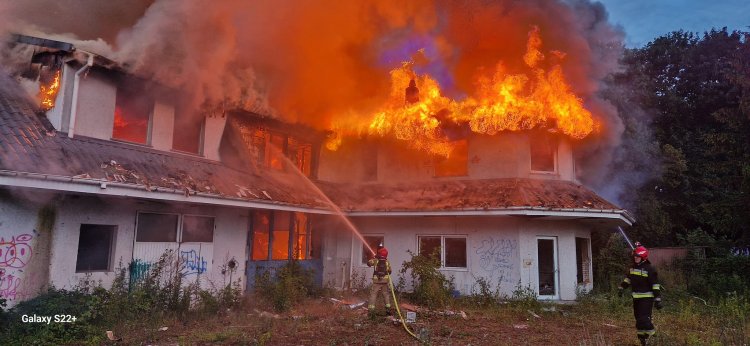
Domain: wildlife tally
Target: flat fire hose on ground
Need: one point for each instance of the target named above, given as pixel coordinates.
(398, 310)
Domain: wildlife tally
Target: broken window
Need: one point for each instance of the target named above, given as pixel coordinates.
(272, 149)
(300, 154)
(582, 260)
(261, 229)
(95, 244)
(543, 153)
(372, 241)
(280, 236)
(152, 227)
(188, 131)
(301, 236)
(197, 229)
(457, 162)
(132, 117)
(450, 250)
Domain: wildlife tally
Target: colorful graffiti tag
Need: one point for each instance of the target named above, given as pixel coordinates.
(15, 254)
(194, 264)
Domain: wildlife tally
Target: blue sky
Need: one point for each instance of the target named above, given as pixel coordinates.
(644, 20)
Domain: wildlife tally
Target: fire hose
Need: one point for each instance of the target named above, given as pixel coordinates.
(398, 310)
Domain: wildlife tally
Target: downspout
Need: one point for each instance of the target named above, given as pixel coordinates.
(74, 106)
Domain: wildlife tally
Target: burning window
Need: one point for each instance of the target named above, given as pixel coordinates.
(301, 155)
(95, 244)
(188, 131)
(280, 236)
(543, 153)
(302, 248)
(261, 229)
(372, 241)
(132, 117)
(450, 250)
(456, 163)
(197, 229)
(271, 149)
(582, 260)
(49, 85)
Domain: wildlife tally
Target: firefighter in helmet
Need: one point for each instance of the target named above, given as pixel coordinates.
(380, 277)
(644, 282)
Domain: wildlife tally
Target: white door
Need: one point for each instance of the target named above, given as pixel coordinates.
(548, 279)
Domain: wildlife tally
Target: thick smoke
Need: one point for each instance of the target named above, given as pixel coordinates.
(313, 61)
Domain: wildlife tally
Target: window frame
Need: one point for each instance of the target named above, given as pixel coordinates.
(201, 137)
(149, 123)
(555, 152)
(179, 226)
(443, 248)
(436, 157)
(110, 251)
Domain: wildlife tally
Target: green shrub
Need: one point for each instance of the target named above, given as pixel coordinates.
(431, 287)
(286, 287)
(483, 295)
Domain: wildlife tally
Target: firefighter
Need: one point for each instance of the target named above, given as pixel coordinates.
(644, 282)
(380, 278)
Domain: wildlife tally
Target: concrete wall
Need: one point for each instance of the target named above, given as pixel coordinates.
(506, 155)
(502, 250)
(96, 106)
(230, 236)
(24, 245)
(48, 256)
(214, 130)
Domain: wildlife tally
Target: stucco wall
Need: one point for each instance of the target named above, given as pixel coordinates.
(505, 155)
(163, 127)
(499, 249)
(24, 244)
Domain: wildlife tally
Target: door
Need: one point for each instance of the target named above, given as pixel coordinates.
(548, 272)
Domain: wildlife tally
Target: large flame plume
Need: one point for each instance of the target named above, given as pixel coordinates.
(502, 102)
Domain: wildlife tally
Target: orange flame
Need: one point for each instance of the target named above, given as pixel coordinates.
(48, 93)
(502, 102)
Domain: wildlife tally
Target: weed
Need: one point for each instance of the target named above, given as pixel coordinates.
(290, 285)
(431, 287)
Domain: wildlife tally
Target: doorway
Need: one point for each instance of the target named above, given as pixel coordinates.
(548, 271)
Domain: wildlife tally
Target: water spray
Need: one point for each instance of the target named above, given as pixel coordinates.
(626, 237)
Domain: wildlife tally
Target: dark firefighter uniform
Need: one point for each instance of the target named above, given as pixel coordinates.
(644, 281)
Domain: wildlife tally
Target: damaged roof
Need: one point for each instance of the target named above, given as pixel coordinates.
(29, 144)
(462, 195)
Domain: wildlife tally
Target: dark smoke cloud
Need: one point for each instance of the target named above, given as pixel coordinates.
(314, 61)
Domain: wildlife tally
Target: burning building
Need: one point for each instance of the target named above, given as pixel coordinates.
(110, 166)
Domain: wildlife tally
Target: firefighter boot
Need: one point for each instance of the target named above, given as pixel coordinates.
(643, 339)
(388, 310)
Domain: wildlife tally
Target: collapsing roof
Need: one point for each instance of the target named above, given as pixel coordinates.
(31, 148)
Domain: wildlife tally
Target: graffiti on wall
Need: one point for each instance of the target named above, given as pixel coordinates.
(15, 254)
(194, 263)
(497, 256)
(138, 269)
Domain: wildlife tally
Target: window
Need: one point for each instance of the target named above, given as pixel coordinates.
(450, 249)
(372, 241)
(197, 229)
(286, 227)
(301, 236)
(188, 131)
(154, 227)
(95, 244)
(543, 153)
(261, 239)
(457, 162)
(132, 117)
(582, 261)
(280, 236)
(271, 149)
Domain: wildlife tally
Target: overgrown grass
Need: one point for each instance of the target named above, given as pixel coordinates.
(159, 295)
(287, 286)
